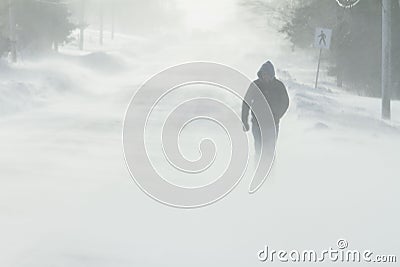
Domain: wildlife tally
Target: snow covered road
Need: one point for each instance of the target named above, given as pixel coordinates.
(67, 199)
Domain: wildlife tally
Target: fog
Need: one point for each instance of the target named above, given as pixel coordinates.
(68, 191)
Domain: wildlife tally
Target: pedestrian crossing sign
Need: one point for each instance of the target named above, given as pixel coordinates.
(322, 38)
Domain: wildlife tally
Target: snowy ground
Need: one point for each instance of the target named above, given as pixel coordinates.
(66, 197)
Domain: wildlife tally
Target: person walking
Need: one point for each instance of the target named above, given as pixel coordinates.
(276, 95)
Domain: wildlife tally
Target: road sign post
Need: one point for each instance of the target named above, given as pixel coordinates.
(319, 63)
(322, 40)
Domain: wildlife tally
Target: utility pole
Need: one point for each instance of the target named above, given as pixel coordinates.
(101, 3)
(341, 36)
(386, 55)
(12, 34)
(82, 25)
(112, 20)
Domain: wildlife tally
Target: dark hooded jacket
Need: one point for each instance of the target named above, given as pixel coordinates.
(276, 95)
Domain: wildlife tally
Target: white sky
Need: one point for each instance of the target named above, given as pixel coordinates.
(206, 14)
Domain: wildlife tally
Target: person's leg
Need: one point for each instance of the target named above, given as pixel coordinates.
(257, 137)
